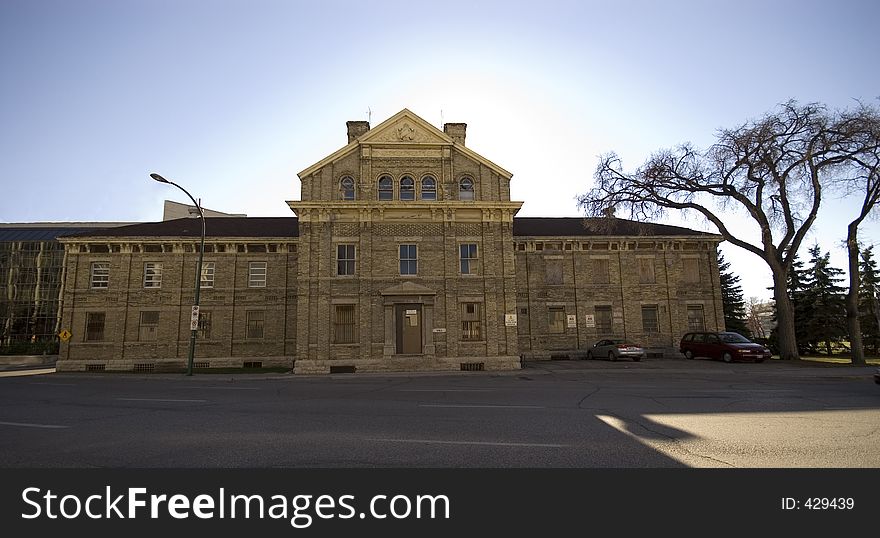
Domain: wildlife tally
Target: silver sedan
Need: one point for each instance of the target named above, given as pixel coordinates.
(615, 348)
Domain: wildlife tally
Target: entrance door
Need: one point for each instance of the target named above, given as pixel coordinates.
(408, 319)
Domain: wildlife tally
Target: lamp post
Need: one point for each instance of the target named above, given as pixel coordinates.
(194, 322)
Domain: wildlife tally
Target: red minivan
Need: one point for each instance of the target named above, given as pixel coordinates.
(725, 346)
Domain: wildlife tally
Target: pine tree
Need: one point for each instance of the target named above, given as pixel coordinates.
(869, 301)
(824, 300)
(732, 300)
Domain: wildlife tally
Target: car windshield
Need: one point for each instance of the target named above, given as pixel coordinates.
(734, 338)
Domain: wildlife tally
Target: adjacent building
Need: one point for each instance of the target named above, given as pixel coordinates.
(405, 253)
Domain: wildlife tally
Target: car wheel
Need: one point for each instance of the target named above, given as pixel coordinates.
(688, 354)
(727, 357)
(636, 358)
(612, 356)
(759, 360)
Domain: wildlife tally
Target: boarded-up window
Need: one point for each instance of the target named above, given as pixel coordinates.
(603, 319)
(650, 321)
(344, 325)
(695, 318)
(556, 320)
(600, 271)
(553, 271)
(471, 321)
(691, 269)
(148, 330)
(204, 330)
(646, 271)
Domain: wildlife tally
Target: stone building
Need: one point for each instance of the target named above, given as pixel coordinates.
(405, 254)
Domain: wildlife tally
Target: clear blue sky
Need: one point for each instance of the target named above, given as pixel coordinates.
(233, 98)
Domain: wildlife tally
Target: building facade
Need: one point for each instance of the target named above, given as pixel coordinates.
(404, 254)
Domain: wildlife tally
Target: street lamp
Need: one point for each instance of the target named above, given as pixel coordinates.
(194, 321)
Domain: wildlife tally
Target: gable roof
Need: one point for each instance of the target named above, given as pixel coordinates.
(379, 135)
(214, 227)
(598, 226)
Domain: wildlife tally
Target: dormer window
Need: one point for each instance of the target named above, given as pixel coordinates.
(346, 188)
(407, 188)
(386, 188)
(429, 188)
(466, 189)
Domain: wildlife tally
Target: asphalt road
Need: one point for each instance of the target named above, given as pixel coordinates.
(656, 413)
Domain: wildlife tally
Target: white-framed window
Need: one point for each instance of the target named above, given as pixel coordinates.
(148, 328)
(556, 320)
(207, 280)
(257, 274)
(695, 318)
(100, 277)
(386, 188)
(153, 274)
(429, 188)
(471, 321)
(468, 258)
(407, 188)
(346, 188)
(345, 324)
(466, 189)
(650, 321)
(345, 260)
(409, 259)
(255, 321)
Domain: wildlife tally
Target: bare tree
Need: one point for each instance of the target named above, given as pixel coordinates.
(859, 132)
(773, 169)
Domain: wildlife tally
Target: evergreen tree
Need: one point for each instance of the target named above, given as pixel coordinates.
(732, 300)
(823, 296)
(869, 301)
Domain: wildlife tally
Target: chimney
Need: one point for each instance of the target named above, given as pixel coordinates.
(456, 131)
(356, 129)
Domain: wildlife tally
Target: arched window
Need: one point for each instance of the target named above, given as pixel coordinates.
(429, 188)
(386, 188)
(407, 188)
(346, 188)
(466, 189)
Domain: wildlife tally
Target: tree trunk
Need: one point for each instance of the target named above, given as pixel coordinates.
(853, 324)
(788, 349)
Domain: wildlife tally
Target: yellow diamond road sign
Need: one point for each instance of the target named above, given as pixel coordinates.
(64, 335)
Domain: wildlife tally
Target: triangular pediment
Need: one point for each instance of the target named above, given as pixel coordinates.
(408, 288)
(405, 128)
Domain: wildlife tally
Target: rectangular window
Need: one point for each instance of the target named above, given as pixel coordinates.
(257, 275)
(603, 319)
(100, 274)
(344, 324)
(646, 271)
(95, 326)
(409, 260)
(207, 280)
(691, 269)
(204, 330)
(153, 275)
(345, 259)
(601, 273)
(556, 320)
(650, 322)
(553, 272)
(468, 257)
(255, 320)
(148, 330)
(696, 321)
(471, 321)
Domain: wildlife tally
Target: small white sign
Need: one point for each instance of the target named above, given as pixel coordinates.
(439, 330)
(590, 320)
(572, 321)
(510, 320)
